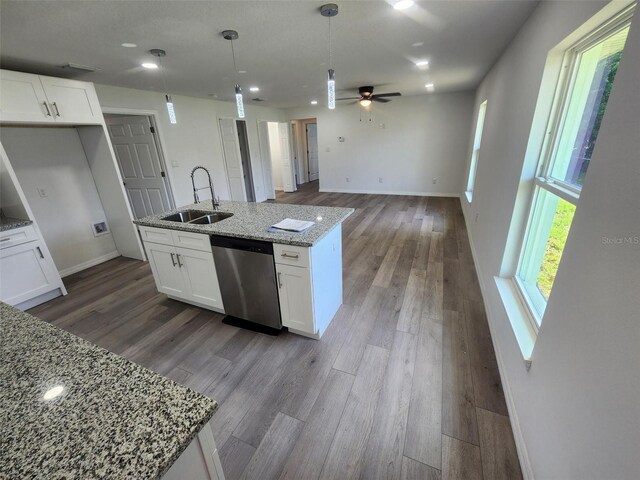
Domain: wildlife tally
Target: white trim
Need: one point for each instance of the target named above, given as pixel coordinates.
(89, 263)
(469, 195)
(521, 447)
(127, 111)
(390, 192)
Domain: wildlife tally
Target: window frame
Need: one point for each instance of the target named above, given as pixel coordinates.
(544, 180)
(475, 151)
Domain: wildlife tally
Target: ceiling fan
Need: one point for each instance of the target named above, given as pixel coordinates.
(367, 96)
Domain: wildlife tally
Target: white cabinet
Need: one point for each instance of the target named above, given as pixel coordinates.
(34, 98)
(25, 273)
(187, 274)
(310, 284)
(199, 461)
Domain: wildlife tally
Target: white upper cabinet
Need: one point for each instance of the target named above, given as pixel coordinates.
(34, 98)
(22, 98)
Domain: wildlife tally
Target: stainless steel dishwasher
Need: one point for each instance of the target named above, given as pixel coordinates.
(247, 277)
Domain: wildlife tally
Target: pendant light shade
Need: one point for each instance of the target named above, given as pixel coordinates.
(157, 52)
(232, 35)
(331, 90)
(330, 10)
(170, 110)
(239, 102)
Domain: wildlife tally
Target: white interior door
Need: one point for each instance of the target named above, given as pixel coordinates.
(288, 173)
(142, 173)
(232, 158)
(312, 151)
(265, 154)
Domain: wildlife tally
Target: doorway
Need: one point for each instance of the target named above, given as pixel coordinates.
(312, 151)
(141, 163)
(245, 158)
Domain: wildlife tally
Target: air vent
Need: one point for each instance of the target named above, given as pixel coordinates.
(84, 68)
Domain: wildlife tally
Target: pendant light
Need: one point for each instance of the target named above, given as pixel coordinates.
(232, 35)
(157, 52)
(330, 10)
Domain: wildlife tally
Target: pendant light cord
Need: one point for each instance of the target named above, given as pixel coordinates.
(235, 68)
(164, 81)
(330, 50)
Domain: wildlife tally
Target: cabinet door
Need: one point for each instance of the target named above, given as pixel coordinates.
(72, 101)
(296, 302)
(200, 277)
(164, 265)
(22, 98)
(25, 273)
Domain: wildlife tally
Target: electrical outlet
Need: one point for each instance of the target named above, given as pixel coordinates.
(434, 180)
(347, 179)
(42, 192)
(379, 179)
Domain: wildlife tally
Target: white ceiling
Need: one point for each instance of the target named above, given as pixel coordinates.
(283, 45)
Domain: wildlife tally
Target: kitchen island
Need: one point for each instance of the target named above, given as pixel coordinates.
(307, 265)
(70, 409)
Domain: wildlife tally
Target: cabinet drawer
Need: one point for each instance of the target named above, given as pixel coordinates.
(17, 236)
(156, 235)
(291, 255)
(194, 241)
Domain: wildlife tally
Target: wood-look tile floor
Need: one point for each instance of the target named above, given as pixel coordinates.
(404, 384)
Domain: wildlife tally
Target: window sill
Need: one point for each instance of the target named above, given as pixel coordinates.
(519, 317)
(469, 196)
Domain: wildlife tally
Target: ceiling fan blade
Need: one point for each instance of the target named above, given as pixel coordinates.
(349, 98)
(390, 94)
(381, 100)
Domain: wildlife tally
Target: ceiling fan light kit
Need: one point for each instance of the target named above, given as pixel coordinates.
(158, 52)
(330, 10)
(232, 35)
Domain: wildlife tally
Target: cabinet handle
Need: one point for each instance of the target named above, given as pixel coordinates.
(279, 280)
(55, 105)
(47, 108)
(40, 252)
(178, 257)
(289, 256)
(5, 239)
(173, 260)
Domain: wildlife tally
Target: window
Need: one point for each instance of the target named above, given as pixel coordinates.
(477, 138)
(590, 68)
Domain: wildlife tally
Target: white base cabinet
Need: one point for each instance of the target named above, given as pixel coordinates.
(187, 274)
(26, 273)
(310, 284)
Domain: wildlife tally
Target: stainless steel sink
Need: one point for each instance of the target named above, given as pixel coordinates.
(212, 218)
(184, 216)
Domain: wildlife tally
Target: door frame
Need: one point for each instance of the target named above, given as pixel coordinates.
(265, 158)
(224, 158)
(152, 115)
(303, 122)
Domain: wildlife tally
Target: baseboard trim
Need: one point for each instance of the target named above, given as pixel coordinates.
(521, 447)
(389, 192)
(89, 263)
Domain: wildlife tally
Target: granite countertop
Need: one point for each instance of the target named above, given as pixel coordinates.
(114, 418)
(252, 220)
(9, 223)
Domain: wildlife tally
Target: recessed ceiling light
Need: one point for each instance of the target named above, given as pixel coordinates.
(242, 71)
(422, 63)
(429, 86)
(129, 45)
(417, 44)
(403, 4)
(254, 89)
(150, 66)
(314, 102)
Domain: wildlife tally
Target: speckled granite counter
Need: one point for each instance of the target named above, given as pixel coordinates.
(8, 223)
(114, 419)
(251, 220)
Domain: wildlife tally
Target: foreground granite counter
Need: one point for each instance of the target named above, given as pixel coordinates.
(9, 223)
(113, 418)
(252, 221)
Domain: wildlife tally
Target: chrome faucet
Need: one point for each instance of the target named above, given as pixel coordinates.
(214, 200)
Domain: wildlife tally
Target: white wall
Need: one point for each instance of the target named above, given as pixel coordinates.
(276, 155)
(195, 139)
(408, 142)
(53, 159)
(576, 412)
